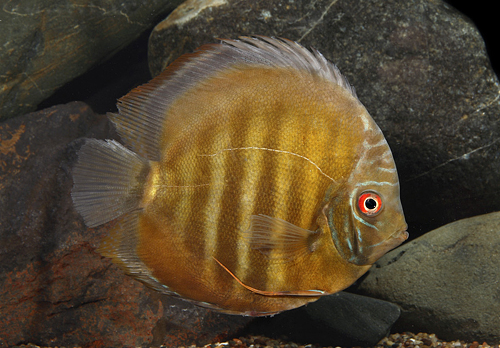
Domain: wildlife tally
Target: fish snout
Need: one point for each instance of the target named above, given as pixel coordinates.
(399, 236)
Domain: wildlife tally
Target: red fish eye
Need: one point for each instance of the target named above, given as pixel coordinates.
(369, 203)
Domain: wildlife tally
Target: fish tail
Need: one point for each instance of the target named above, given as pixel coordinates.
(108, 181)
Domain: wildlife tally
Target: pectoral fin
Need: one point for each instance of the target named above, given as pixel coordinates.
(278, 238)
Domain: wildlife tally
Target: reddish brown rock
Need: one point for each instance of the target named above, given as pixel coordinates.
(54, 288)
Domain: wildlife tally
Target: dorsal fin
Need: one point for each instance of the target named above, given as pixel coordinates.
(142, 111)
(280, 52)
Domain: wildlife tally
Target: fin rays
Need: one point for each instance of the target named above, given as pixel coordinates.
(121, 244)
(108, 181)
(277, 238)
(143, 112)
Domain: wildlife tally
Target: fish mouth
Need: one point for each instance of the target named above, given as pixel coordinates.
(400, 235)
(395, 239)
(390, 243)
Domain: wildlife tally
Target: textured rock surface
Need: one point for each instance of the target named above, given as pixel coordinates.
(418, 66)
(54, 288)
(446, 281)
(341, 319)
(44, 44)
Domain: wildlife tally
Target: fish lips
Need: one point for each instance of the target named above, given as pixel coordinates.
(383, 247)
(390, 243)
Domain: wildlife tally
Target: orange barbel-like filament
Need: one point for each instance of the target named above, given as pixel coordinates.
(311, 293)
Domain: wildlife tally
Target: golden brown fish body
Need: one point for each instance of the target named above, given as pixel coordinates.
(259, 184)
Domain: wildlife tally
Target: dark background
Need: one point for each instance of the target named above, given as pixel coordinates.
(107, 82)
(484, 14)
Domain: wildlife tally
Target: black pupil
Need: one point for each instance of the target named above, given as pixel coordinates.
(370, 203)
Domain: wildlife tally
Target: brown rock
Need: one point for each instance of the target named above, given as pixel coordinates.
(419, 67)
(44, 44)
(54, 288)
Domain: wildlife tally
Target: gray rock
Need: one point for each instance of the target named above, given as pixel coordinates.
(55, 289)
(44, 44)
(419, 67)
(342, 319)
(446, 282)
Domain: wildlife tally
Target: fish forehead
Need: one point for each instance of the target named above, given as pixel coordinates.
(376, 167)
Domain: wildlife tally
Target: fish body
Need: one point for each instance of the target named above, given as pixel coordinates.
(253, 181)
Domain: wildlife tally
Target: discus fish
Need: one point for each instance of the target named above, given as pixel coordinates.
(252, 180)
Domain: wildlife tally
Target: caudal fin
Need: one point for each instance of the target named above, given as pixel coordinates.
(108, 181)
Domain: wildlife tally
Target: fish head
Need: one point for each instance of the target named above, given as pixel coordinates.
(364, 214)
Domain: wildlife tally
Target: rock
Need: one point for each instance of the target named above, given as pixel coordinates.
(446, 282)
(46, 44)
(419, 67)
(342, 319)
(54, 288)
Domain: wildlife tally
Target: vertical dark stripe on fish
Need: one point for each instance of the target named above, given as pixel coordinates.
(297, 213)
(213, 212)
(255, 134)
(284, 175)
(228, 220)
(199, 191)
(260, 274)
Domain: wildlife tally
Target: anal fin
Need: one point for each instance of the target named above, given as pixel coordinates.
(121, 242)
(120, 245)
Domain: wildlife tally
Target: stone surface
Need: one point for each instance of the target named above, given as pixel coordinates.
(54, 288)
(446, 282)
(44, 44)
(342, 319)
(419, 67)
